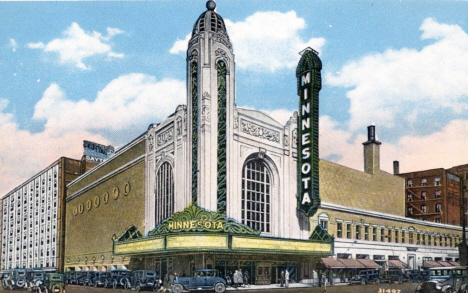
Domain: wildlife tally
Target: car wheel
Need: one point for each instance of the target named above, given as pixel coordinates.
(400, 280)
(138, 287)
(114, 285)
(127, 285)
(177, 288)
(95, 284)
(363, 281)
(220, 287)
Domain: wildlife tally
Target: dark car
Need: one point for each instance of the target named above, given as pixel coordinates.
(16, 279)
(444, 280)
(367, 276)
(53, 283)
(118, 279)
(143, 279)
(89, 279)
(417, 276)
(101, 279)
(80, 278)
(207, 279)
(36, 278)
(391, 276)
(6, 275)
(70, 277)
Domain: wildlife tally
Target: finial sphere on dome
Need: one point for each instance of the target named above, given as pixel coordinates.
(211, 5)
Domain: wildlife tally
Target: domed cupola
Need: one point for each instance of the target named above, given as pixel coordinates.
(210, 21)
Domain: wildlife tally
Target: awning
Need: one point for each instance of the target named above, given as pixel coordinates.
(397, 264)
(348, 263)
(435, 264)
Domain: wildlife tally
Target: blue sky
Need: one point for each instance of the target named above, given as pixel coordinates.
(103, 71)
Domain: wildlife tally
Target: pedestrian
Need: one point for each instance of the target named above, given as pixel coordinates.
(286, 278)
(238, 278)
(282, 278)
(246, 279)
(324, 282)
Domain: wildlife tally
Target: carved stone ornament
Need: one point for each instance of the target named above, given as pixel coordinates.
(165, 136)
(206, 107)
(179, 125)
(221, 53)
(286, 140)
(223, 39)
(150, 140)
(236, 119)
(260, 131)
(294, 138)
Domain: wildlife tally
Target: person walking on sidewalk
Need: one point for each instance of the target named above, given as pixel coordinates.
(286, 278)
(282, 278)
(324, 282)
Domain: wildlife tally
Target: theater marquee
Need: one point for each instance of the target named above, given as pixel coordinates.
(308, 85)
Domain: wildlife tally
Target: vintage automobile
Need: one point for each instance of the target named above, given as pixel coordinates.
(5, 276)
(36, 278)
(70, 277)
(203, 279)
(80, 278)
(143, 279)
(101, 279)
(367, 276)
(445, 280)
(15, 279)
(397, 275)
(417, 276)
(118, 278)
(53, 283)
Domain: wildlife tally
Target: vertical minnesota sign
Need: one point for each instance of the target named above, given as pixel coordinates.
(309, 83)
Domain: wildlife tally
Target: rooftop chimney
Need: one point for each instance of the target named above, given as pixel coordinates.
(396, 167)
(371, 151)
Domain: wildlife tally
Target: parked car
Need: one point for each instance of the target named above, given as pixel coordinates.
(36, 278)
(445, 280)
(54, 283)
(70, 277)
(101, 279)
(391, 276)
(90, 278)
(417, 276)
(16, 279)
(5, 279)
(81, 277)
(118, 278)
(207, 279)
(367, 276)
(143, 279)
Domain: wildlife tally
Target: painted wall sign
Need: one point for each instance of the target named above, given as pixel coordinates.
(308, 86)
(95, 152)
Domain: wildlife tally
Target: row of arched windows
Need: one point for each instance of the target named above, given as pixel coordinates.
(255, 201)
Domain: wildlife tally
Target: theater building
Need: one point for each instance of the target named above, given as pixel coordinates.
(211, 186)
(219, 186)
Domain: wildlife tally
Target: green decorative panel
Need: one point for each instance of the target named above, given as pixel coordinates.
(221, 162)
(194, 89)
(131, 233)
(195, 219)
(309, 84)
(321, 235)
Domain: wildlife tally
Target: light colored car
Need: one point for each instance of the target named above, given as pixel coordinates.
(204, 279)
(445, 280)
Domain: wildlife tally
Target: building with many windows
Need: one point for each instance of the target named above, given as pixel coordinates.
(33, 221)
(434, 195)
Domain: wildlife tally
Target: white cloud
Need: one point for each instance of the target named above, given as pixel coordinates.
(118, 113)
(78, 45)
(254, 37)
(23, 154)
(132, 100)
(280, 115)
(398, 88)
(13, 45)
(180, 45)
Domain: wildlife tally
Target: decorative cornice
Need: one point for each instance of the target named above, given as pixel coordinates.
(260, 131)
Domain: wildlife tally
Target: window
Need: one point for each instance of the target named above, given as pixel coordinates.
(411, 237)
(366, 232)
(409, 197)
(396, 236)
(437, 194)
(382, 234)
(423, 209)
(437, 181)
(339, 230)
(164, 193)
(389, 235)
(256, 193)
(423, 195)
(348, 230)
(409, 183)
(438, 207)
(410, 210)
(403, 237)
(424, 182)
(323, 221)
(358, 232)
(418, 239)
(374, 233)
(429, 239)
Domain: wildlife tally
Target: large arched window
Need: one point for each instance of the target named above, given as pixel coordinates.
(256, 195)
(164, 193)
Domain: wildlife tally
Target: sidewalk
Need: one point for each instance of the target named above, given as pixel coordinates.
(277, 286)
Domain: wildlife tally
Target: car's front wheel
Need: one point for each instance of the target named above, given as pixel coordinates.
(220, 287)
(177, 288)
(363, 281)
(400, 280)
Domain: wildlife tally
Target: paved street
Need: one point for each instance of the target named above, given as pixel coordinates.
(370, 288)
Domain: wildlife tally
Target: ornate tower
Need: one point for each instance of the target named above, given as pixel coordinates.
(210, 100)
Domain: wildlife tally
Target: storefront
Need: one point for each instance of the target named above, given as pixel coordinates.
(195, 238)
